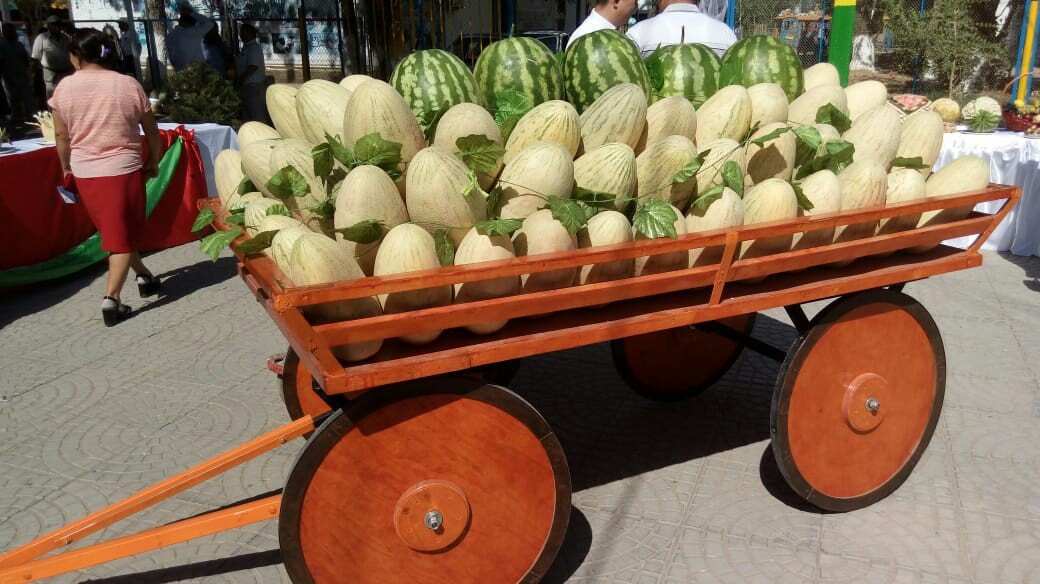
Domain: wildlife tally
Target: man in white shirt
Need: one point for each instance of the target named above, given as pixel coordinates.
(681, 21)
(50, 50)
(250, 75)
(605, 15)
(184, 42)
(131, 47)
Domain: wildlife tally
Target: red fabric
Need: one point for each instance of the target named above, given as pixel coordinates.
(37, 225)
(116, 206)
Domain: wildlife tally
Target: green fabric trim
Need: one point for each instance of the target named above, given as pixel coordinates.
(89, 252)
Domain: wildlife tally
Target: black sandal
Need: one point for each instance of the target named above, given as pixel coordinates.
(148, 285)
(115, 313)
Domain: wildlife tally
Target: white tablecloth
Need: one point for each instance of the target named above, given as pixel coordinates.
(210, 138)
(1013, 160)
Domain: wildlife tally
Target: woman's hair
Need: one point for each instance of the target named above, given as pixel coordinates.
(93, 46)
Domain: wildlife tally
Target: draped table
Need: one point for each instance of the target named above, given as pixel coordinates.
(1013, 160)
(38, 225)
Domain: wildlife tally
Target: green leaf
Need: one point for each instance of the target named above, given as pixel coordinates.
(594, 199)
(750, 133)
(803, 201)
(239, 208)
(568, 212)
(916, 163)
(494, 199)
(771, 136)
(499, 226)
(507, 127)
(373, 149)
(288, 182)
(277, 210)
(325, 209)
(733, 176)
(215, 243)
(367, 231)
(245, 186)
(394, 174)
(257, 243)
(655, 219)
(235, 220)
(655, 67)
(480, 153)
(473, 186)
(839, 155)
(511, 104)
(702, 202)
(429, 119)
(340, 152)
(323, 161)
(689, 170)
(591, 210)
(809, 135)
(204, 219)
(828, 114)
(445, 247)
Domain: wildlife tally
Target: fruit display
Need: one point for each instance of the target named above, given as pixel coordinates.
(530, 154)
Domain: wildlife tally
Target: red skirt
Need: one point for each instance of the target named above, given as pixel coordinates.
(116, 205)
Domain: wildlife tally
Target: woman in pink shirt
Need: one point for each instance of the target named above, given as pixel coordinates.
(96, 116)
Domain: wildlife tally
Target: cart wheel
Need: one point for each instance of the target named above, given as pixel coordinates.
(439, 480)
(298, 391)
(678, 363)
(857, 399)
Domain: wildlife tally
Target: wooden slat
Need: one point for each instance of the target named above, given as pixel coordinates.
(998, 218)
(458, 350)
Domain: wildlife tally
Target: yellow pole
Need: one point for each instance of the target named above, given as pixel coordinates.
(1027, 51)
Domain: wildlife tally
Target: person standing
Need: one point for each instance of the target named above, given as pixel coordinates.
(217, 55)
(50, 51)
(184, 42)
(250, 76)
(681, 21)
(605, 15)
(15, 76)
(96, 112)
(130, 44)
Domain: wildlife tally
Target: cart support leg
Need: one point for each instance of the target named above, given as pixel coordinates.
(761, 347)
(146, 541)
(797, 315)
(159, 492)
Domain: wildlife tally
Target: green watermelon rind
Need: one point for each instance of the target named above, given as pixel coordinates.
(690, 70)
(521, 64)
(598, 61)
(776, 63)
(429, 79)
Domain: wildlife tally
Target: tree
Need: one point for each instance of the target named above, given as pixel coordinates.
(947, 36)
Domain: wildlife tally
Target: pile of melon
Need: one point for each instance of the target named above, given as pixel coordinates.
(443, 166)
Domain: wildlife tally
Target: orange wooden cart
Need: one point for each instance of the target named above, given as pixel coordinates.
(411, 475)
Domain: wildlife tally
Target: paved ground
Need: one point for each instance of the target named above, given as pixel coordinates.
(663, 493)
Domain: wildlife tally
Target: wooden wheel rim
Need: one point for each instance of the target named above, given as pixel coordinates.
(355, 510)
(828, 445)
(298, 393)
(677, 363)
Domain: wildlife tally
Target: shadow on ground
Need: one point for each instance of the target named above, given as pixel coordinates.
(178, 283)
(17, 303)
(1030, 265)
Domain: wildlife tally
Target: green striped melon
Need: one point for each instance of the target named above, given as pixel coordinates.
(429, 79)
(619, 115)
(611, 168)
(521, 64)
(763, 59)
(689, 70)
(598, 61)
(555, 121)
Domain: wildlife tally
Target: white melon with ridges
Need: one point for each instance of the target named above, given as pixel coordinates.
(725, 212)
(542, 170)
(541, 233)
(367, 194)
(477, 247)
(409, 248)
(438, 197)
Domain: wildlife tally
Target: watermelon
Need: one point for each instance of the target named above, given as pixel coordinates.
(688, 70)
(429, 79)
(522, 64)
(598, 61)
(763, 59)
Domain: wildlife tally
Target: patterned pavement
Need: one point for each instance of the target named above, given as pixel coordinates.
(664, 493)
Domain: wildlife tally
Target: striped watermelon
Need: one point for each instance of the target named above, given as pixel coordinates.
(522, 64)
(763, 59)
(598, 61)
(688, 70)
(429, 79)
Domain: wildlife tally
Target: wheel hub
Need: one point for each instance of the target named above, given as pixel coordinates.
(432, 515)
(863, 405)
